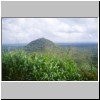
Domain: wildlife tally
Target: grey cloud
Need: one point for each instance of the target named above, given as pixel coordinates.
(20, 30)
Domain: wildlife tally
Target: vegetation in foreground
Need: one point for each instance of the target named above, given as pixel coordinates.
(21, 66)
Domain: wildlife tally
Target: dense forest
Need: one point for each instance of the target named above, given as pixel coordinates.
(43, 60)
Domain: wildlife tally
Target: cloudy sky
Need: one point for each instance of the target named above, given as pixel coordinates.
(69, 30)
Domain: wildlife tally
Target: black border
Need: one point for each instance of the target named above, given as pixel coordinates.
(38, 17)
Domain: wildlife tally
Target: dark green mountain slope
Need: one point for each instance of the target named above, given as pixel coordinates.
(41, 45)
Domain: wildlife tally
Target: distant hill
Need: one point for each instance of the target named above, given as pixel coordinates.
(41, 45)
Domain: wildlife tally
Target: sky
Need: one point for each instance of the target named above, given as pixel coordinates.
(58, 30)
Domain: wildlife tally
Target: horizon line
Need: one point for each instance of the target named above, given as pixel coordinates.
(57, 42)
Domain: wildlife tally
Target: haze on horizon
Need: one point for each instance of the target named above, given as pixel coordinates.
(58, 30)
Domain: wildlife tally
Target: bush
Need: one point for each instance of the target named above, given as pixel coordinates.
(22, 66)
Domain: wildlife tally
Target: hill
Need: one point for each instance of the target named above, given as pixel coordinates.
(41, 45)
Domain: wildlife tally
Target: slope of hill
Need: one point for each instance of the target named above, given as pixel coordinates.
(40, 44)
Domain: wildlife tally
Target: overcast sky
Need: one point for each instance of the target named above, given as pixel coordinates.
(69, 30)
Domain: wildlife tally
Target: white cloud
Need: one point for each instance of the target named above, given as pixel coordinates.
(24, 30)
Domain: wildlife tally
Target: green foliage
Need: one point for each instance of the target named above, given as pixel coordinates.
(44, 60)
(37, 66)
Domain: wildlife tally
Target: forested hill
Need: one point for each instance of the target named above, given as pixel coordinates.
(40, 44)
